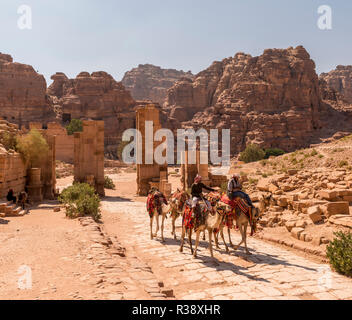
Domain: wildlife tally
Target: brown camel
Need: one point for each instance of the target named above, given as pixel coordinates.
(212, 220)
(157, 206)
(242, 222)
(177, 204)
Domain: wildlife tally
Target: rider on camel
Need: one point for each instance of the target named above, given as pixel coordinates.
(197, 195)
(234, 189)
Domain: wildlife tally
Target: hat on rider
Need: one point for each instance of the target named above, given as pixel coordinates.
(236, 176)
(198, 179)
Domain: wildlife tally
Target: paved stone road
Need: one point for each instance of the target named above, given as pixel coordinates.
(270, 273)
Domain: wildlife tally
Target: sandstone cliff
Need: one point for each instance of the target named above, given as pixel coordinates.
(149, 82)
(22, 93)
(272, 100)
(340, 80)
(95, 96)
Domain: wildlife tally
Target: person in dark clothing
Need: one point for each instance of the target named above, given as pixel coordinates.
(234, 189)
(10, 196)
(22, 197)
(197, 194)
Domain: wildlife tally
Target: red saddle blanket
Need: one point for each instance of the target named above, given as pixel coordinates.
(237, 202)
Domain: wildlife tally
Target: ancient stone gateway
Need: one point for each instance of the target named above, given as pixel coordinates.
(190, 170)
(150, 175)
(89, 155)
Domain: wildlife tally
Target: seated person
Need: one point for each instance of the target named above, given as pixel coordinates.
(197, 193)
(10, 196)
(234, 189)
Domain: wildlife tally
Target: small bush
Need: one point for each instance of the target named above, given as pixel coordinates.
(252, 153)
(314, 153)
(75, 125)
(33, 148)
(339, 252)
(273, 152)
(81, 200)
(343, 163)
(108, 183)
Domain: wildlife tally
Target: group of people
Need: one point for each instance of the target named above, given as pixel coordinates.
(234, 190)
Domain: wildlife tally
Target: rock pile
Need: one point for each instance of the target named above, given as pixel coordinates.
(306, 198)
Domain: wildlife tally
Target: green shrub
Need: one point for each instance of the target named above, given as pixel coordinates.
(314, 153)
(8, 140)
(33, 148)
(273, 152)
(252, 153)
(339, 252)
(343, 163)
(108, 183)
(224, 187)
(75, 125)
(81, 200)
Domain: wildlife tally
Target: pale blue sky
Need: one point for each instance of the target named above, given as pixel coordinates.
(90, 35)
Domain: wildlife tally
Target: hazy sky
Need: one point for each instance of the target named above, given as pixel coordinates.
(90, 35)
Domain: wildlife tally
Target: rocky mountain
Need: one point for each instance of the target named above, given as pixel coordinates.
(149, 82)
(22, 93)
(272, 100)
(94, 96)
(340, 80)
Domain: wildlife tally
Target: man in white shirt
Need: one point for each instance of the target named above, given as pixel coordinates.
(234, 189)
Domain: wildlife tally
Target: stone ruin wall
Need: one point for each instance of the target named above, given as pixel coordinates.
(89, 155)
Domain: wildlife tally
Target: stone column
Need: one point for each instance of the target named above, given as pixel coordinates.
(89, 155)
(148, 174)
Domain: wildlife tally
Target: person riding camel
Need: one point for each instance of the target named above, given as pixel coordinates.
(234, 189)
(197, 195)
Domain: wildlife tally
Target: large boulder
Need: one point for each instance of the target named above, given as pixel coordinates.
(334, 208)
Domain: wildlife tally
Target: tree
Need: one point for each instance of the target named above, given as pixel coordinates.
(33, 148)
(252, 153)
(75, 125)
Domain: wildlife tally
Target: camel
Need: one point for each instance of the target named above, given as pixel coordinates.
(157, 205)
(177, 207)
(211, 221)
(242, 222)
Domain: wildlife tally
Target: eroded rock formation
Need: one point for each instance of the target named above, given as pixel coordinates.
(340, 80)
(22, 93)
(272, 100)
(149, 82)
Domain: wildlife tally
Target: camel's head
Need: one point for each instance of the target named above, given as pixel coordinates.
(256, 216)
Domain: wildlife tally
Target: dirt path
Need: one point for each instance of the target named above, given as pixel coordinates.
(270, 273)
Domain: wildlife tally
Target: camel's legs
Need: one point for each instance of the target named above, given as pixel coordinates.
(197, 242)
(151, 227)
(182, 238)
(204, 235)
(216, 239)
(229, 232)
(223, 239)
(162, 227)
(211, 243)
(156, 214)
(190, 239)
(245, 238)
(173, 226)
(242, 237)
